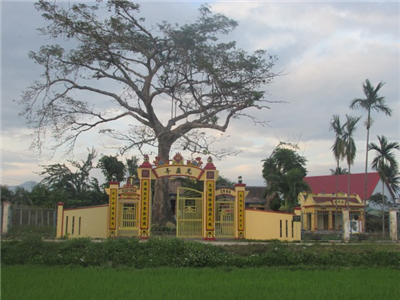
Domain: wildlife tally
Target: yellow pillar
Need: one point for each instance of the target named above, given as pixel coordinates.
(209, 178)
(144, 174)
(60, 220)
(297, 225)
(330, 221)
(314, 220)
(113, 209)
(240, 211)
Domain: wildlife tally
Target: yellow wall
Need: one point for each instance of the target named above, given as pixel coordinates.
(86, 222)
(266, 225)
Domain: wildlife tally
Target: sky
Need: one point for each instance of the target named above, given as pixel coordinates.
(325, 51)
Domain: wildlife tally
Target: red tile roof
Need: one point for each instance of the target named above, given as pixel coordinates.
(327, 183)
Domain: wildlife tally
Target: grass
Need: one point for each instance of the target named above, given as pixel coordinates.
(37, 282)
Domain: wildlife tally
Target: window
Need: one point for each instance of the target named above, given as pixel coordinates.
(73, 225)
(66, 225)
(286, 227)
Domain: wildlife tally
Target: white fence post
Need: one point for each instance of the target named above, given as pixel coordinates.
(393, 224)
(346, 224)
(6, 217)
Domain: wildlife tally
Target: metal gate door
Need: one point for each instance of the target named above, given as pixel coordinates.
(129, 219)
(189, 213)
(225, 218)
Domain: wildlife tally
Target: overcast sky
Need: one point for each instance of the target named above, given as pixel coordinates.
(326, 51)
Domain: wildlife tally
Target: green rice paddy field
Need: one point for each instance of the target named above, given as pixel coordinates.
(38, 283)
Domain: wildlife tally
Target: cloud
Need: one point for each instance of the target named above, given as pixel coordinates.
(326, 50)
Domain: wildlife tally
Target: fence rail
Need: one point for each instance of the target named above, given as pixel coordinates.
(15, 218)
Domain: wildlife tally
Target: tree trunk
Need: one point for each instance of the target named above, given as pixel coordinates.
(366, 175)
(348, 187)
(383, 209)
(162, 210)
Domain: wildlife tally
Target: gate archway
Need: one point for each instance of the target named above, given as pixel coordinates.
(199, 214)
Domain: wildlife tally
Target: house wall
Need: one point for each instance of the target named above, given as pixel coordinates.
(85, 222)
(268, 225)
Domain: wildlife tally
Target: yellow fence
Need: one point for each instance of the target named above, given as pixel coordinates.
(83, 222)
(268, 225)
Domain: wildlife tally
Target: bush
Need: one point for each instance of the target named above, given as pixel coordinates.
(172, 252)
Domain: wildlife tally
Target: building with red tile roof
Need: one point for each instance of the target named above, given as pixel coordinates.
(327, 185)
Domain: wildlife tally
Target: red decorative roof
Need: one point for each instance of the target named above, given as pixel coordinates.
(327, 183)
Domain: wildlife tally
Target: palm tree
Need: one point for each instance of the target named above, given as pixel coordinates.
(337, 148)
(338, 171)
(372, 101)
(350, 148)
(385, 163)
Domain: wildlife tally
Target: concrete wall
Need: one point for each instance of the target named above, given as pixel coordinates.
(268, 225)
(85, 222)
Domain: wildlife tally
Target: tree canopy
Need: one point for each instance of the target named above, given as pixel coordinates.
(136, 73)
(284, 172)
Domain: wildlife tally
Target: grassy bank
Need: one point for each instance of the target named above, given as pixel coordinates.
(37, 282)
(171, 252)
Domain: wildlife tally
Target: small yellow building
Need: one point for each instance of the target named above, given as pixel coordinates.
(323, 212)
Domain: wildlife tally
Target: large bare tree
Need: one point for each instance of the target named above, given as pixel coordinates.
(171, 82)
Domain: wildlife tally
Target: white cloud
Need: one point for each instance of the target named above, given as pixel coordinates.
(326, 49)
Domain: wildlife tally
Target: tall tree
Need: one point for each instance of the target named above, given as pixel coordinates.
(139, 70)
(338, 147)
(284, 172)
(112, 168)
(372, 101)
(131, 166)
(350, 149)
(6, 194)
(74, 184)
(338, 171)
(385, 163)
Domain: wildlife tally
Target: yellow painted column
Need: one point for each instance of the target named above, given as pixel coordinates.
(240, 213)
(60, 220)
(297, 225)
(330, 222)
(209, 178)
(144, 174)
(113, 209)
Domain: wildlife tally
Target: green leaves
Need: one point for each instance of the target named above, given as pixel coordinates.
(283, 172)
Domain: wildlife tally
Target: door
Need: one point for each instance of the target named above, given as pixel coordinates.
(189, 213)
(225, 218)
(129, 220)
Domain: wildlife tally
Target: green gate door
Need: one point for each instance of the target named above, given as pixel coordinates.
(225, 218)
(129, 219)
(189, 213)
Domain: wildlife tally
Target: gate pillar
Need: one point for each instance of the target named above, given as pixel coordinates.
(210, 176)
(346, 224)
(144, 174)
(113, 208)
(393, 224)
(240, 210)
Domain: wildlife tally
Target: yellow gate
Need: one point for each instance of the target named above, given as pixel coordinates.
(224, 218)
(189, 213)
(129, 219)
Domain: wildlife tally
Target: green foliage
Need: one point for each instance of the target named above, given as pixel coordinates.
(6, 194)
(172, 252)
(283, 172)
(73, 187)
